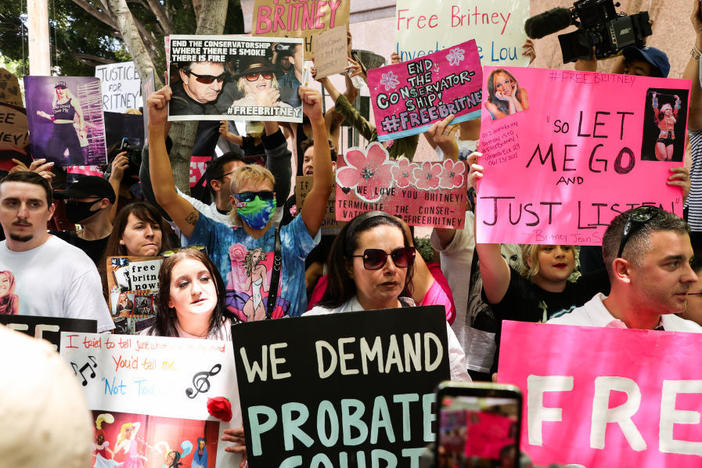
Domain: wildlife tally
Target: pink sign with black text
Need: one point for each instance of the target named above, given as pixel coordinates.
(408, 97)
(606, 397)
(422, 193)
(564, 152)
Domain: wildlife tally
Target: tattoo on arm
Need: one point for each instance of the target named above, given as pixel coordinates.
(192, 217)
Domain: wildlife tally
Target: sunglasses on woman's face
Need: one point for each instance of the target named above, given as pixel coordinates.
(208, 79)
(245, 197)
(375, 259)
(254, 76)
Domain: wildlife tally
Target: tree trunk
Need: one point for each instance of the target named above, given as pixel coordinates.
(211, 21)
(132, 38)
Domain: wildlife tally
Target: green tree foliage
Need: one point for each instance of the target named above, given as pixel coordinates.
(84, 33)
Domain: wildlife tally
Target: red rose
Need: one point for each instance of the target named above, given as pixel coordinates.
(220, 408)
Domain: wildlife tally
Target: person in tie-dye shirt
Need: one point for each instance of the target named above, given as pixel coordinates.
(254, 203)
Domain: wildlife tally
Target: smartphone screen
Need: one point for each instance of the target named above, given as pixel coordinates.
(478, 431)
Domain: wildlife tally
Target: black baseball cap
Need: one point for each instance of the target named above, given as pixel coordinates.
(88, 186)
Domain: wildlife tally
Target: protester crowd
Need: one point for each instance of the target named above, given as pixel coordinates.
(642, 276)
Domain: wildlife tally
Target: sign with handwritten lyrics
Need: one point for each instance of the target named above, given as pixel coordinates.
(154, 376)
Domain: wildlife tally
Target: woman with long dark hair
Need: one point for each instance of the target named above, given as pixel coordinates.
(370, 267)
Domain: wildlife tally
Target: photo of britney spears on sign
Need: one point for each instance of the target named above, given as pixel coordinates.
(231, 77)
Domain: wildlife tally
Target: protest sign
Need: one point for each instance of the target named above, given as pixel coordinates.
(598, 396)
(121, 86)
(408, 97)
(13, 117)
(570, 150)
(132, 283)
(13, 128)
(303, 19)
(330, 54)
(47, 328)
(422, 193)
(9, 89)
(148, 86)
(330, 226)
(348, 389)
(64, 114)
(422, 28)
(149, 395)
(233, 78)
(129, 126)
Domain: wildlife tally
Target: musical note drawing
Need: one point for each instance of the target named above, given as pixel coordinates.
(85, 368)
(201, 381)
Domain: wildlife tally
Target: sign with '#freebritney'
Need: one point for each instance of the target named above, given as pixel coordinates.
(423, 27)
(408, 97)
(564, 152)
(598, 396)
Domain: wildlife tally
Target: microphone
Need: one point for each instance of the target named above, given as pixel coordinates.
(547, 22)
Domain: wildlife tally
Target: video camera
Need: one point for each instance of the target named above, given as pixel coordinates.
(599, 26)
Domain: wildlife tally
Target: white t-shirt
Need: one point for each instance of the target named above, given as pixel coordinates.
(594, 314)
(57, 279)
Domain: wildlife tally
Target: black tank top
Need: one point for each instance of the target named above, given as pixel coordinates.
(64, 111)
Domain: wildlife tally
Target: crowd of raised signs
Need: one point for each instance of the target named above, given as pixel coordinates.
(136, 254)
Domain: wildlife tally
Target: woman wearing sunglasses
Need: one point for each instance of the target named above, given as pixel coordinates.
(259, 85)
(370, 266)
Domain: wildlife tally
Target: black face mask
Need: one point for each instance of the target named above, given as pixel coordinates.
(78, 211)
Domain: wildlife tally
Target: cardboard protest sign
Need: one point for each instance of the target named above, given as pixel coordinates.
(9, 89)
(304, 19)
(605, 396)
(47, 328)
(330, 226)
(568, 151)
(149, 395)
(348, 389)
(65, 120)
(148, 86)
(233, 78)
(330, 54)
(422, 28)
(121, 86)
(132, 283)
(422, 193)
(14, 135)
(408, 97)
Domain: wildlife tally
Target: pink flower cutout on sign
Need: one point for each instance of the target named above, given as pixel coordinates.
(427, 175)
(390, 80)
(455, 56)
(369, 174)
(452, 174)
(402, 173)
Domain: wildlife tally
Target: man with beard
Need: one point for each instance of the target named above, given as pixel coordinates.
(52, 277)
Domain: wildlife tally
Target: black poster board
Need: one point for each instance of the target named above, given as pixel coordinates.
(48, 328)
(376, 403)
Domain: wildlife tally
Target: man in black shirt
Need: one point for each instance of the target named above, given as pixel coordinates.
(88, 203)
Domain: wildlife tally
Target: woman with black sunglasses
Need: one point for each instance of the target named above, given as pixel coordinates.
(370, 266)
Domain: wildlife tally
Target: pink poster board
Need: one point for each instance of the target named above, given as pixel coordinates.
(606, 397)
(568, 151)
(422, 193)
(408, 97)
